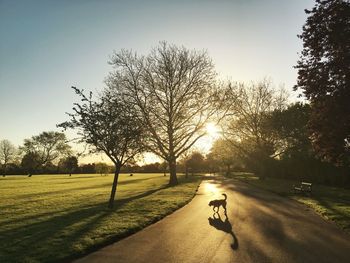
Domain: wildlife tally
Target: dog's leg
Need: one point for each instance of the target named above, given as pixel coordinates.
(224, 206)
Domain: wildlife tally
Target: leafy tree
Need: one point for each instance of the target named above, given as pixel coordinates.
(212, 162)
(151, 168)
(69, 164)
(111, 126)
(174, 90)
(88, 168)
(43, 149)
(7, 154)
(289, 127)
(102, 168)
(31, 161)
(195, 162)
(224, 154)
(324, 77)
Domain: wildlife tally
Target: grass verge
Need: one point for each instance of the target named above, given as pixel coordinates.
(332, 203)
(56, 218)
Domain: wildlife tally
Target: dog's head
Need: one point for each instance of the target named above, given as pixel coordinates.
(210, 203)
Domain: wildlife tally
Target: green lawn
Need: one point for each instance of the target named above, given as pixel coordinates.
(55, 218)
(331, 202)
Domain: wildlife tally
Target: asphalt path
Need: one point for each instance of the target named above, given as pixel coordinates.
(259, 227)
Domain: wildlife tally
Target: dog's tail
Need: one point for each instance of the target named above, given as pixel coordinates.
(225, 196)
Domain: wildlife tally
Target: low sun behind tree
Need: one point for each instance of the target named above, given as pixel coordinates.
(175, 92)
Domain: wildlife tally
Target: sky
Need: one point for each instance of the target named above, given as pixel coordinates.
(48, 46)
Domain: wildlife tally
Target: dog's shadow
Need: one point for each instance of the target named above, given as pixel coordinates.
(223, 225)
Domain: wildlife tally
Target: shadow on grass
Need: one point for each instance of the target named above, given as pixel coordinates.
(119, 203)
(284, 225)
(95, 186)
(329, 202)
(66, 235)
(59, 233)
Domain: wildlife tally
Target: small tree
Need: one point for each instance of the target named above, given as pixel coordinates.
(7, 154)
(43, 149)
(195, 162)
(102, 168)
(225, 154)
(111, 126)
(69, 164)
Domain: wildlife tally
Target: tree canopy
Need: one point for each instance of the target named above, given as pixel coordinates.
(110, 125)
(44, 148)
(324, 77)
(175, 92)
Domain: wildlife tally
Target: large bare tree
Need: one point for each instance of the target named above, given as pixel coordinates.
(7, 154)
(246, 125)
(175, 92)
(110, 125)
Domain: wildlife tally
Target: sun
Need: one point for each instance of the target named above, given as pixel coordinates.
(212, 130)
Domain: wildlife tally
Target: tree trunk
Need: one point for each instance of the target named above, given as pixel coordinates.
(172, 168)
(5, 170)
(228, 172)
(114, 186)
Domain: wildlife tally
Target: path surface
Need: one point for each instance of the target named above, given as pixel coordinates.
(260, 227)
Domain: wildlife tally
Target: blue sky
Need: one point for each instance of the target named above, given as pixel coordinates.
(48, 46)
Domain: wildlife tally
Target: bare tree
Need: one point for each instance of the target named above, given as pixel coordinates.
(110, 125)
(7, 154)
(175, 92)
(246, 125)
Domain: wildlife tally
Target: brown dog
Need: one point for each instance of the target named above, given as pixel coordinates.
(217, 203)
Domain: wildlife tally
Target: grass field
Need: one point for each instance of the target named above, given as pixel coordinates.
(55, 218)
(330, 202)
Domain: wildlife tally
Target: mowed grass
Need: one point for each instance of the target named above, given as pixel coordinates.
(332, 203)
(55, 218)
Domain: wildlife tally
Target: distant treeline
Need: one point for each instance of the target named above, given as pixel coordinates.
(195, 163)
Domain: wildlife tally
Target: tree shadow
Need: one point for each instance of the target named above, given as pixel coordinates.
(224, 225)
(54, 231)
(120, 202)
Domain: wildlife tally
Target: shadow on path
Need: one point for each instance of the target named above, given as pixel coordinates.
(223, 225)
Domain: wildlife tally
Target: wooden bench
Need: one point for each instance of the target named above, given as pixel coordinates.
(304, 187)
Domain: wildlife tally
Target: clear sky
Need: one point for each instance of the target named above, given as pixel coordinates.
(48, 46)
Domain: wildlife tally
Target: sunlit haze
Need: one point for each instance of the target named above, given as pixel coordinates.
(48, 46)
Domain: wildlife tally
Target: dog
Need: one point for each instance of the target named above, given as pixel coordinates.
(217, 203)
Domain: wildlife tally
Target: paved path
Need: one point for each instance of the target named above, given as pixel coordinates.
(260, 227)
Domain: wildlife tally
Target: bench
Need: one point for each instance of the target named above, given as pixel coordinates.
(304, 187)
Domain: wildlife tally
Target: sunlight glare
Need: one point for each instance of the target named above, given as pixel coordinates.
(212, 130)
(211, 188)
